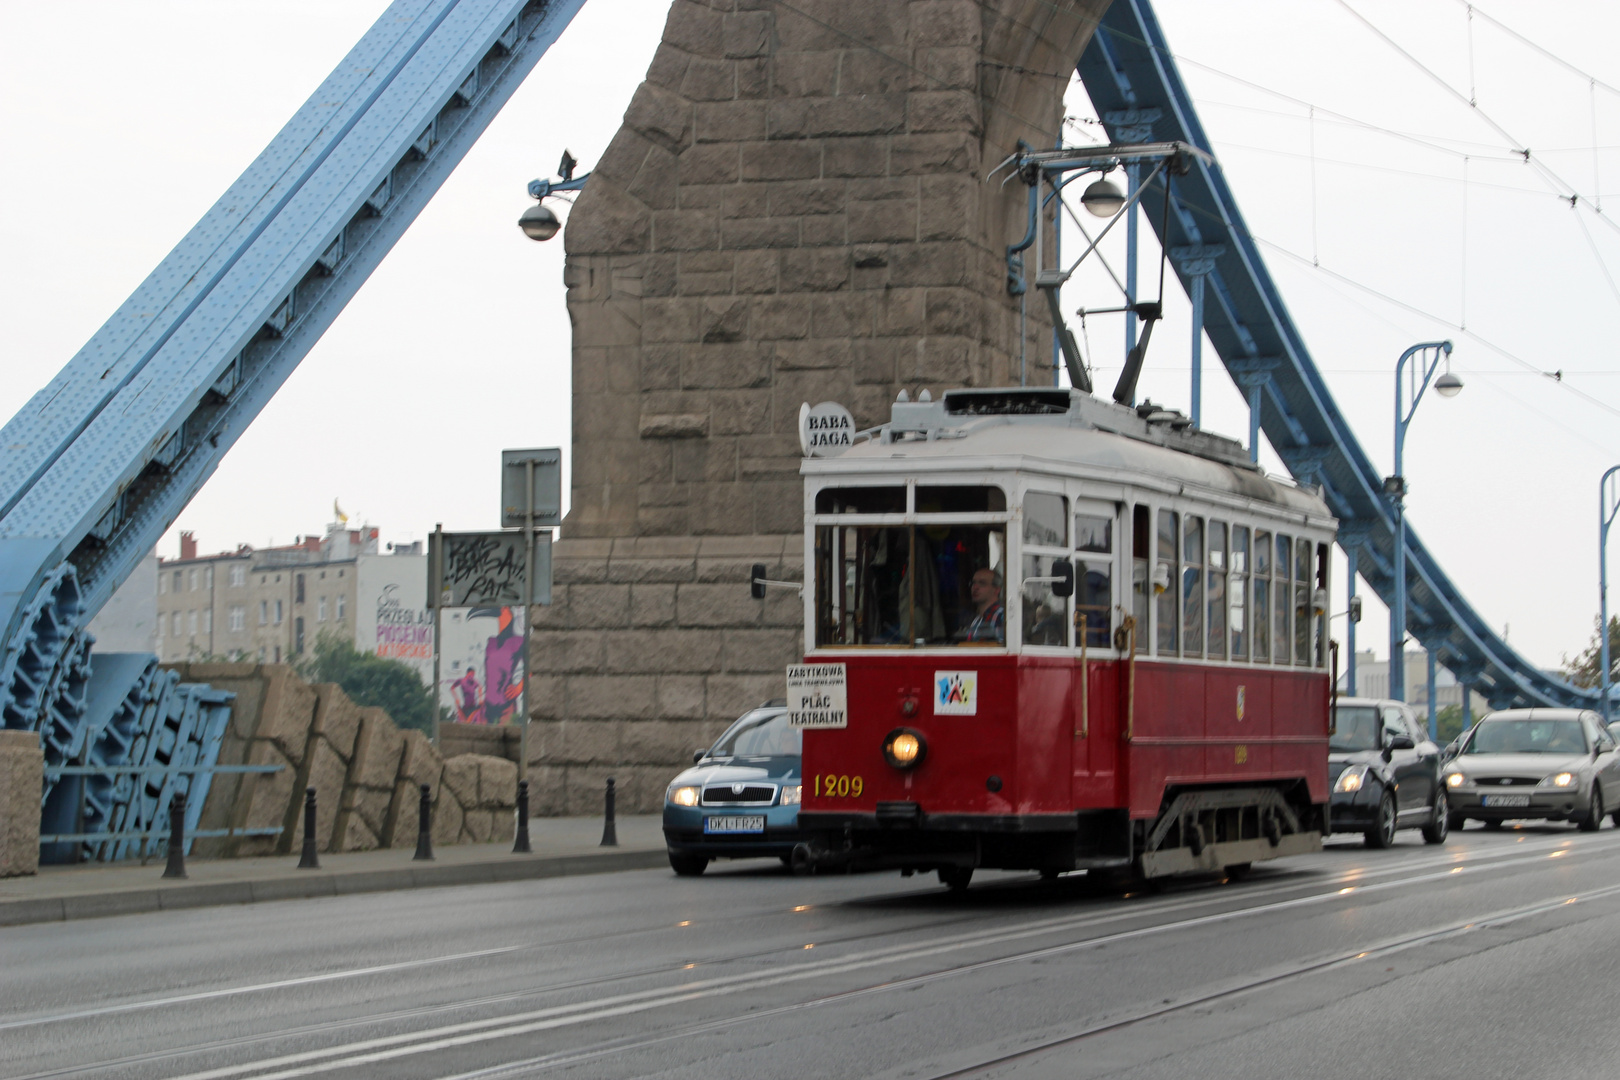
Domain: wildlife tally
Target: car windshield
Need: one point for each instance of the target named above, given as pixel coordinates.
(1356, 729)
(761, 733)
(1527, 737)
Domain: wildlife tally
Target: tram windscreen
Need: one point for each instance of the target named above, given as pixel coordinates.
(935, 584)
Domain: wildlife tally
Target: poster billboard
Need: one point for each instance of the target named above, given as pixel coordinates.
(481, 664)
(392, 618)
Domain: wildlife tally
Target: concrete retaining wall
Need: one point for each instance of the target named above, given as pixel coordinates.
(22, 779)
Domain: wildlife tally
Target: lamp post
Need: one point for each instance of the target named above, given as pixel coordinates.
(1410, 382)
(1608, 503)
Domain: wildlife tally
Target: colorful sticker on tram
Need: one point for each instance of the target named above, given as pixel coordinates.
(1240, 702)
(956, 693)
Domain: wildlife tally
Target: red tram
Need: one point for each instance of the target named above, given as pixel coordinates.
(1047, 632)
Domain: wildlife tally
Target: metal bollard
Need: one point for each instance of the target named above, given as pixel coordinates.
(424, 827)
(610, 832)
(177, 838)
(521, 846)
(310, 860)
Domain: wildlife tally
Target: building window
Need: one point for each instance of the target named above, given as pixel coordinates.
(341, 603)
(177, 581)
(298, 589)
(278, 615)
(163, 584)
(191, 579)
(208, 577)
(175, 626)
(298, 636)
(320, 610)
(340, 573)
(208, 621)
(261, 654)
(238, 576)
(238, 618)
(278, 654)
(160, 626)
(264, 612)
(323, 575)
(191, 624)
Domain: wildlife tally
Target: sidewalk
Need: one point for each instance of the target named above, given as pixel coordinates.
(561, 846)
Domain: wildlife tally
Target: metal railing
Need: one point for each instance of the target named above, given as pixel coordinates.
(55, 771)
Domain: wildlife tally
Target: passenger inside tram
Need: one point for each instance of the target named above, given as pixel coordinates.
(988, 620)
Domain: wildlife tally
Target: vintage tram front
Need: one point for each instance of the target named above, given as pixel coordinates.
(1046, 632)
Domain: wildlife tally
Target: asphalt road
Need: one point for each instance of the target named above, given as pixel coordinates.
(1492, 956)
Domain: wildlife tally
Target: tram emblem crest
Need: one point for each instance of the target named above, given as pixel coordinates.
(956, 693)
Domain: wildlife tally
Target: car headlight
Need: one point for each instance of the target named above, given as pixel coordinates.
(1351, 779)
(792, 794)
(1560, 780)
(1455, 780)
(683, 796)
(904, 748)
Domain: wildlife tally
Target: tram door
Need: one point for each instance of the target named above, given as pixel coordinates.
(1102, 532)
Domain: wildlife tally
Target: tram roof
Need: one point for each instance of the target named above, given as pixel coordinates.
(1064, 432)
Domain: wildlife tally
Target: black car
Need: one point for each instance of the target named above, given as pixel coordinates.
(1385, 773)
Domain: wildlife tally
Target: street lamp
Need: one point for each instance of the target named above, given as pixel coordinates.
(1410, 382)
(538, 222)
(1608, 503)
(1103, 199)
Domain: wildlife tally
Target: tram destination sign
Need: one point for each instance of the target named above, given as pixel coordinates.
(817, 696)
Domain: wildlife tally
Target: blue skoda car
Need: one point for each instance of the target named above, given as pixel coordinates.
(741, 799)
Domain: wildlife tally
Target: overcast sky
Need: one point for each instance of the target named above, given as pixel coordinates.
(459, 344)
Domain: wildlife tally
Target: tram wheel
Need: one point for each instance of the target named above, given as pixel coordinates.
(1238, 871)
(955, 878)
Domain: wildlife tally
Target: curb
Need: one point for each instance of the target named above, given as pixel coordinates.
(182, 895)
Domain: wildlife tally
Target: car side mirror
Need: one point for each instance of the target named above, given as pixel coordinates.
(699, 755)
(1402, 742)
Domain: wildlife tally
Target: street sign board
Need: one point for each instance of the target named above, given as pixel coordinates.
(487, 569)
(546, 493)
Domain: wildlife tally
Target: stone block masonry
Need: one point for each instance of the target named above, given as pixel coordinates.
(22, 778)
(366, 772)
(795, 209)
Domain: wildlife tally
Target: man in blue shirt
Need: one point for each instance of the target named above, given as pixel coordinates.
(989, 621)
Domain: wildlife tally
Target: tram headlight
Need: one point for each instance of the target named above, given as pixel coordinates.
(683, 796)
(1351, 779)
(904, 748)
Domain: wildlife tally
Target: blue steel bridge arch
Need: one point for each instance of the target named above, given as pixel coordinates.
(99, 463)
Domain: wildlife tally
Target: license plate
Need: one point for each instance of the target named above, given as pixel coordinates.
(1505, 800)
(734, 823)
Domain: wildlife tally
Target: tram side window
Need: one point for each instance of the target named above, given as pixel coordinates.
(1303, 580)
(1215, 591)
(1045, 616)
(1322, 551)
(1141, 579)
(1238, 590)
(960, 499)
(1282, 599)
(1192, 585)
(1167, 613)
(899, 585)
(1262, 596)
(1094, 577)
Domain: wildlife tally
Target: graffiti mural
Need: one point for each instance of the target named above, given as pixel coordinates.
(481, 665)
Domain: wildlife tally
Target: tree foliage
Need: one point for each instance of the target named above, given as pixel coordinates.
(371, 680)
(1587, 667)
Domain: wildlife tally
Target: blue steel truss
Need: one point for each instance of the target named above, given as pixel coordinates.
(1131, 77)
(100, 462)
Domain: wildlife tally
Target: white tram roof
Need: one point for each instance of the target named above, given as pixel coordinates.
(1064, 432)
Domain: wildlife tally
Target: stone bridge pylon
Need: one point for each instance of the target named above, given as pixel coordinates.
(795, 209)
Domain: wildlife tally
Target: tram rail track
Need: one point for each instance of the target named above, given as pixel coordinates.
(391, 1047)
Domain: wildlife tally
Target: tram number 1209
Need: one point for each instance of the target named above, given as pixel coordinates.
(839, 787)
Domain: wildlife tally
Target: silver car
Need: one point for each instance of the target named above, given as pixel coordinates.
(1549, 764)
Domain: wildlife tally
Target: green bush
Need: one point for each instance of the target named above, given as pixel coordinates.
(389, 685)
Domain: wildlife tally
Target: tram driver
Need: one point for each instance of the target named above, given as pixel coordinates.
(989, 619)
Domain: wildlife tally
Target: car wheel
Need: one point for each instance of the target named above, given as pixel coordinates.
(1592, 820)
(1382, 834)
(955, 878)
(687, 865)
(1439, 825)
